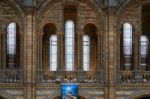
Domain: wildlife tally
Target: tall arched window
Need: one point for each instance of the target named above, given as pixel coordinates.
(69, 45)
(127, 44)
(86, 53)
(143, 49)
(53, 53)
(11, 45)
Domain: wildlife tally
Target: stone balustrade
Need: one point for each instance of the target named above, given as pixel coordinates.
(11, 76)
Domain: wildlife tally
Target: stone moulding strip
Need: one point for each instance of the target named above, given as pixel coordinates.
(138, 94)
(7, 95)
(11, 86)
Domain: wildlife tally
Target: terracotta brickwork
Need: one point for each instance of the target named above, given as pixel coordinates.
(101, 21)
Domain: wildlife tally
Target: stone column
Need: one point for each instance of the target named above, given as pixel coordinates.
(80, 74)
(136, 56)
(110, 54)
(136, 51)
(44, 54)
(39, 50)
(40, 68)
(100, 68)
(30, 54)
(119, 65)
(4, 50)
(80, 55)
(60, 55)
(62, 52)
(59, 38)
(0, 51)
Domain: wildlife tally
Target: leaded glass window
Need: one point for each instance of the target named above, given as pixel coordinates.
(143, 49)
(127, 43)
(69, 45)
(53, 53)
(11, 45)
(86, 53)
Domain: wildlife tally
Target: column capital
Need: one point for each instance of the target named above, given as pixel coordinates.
(30, 10)
(59, 33)
(100, 34)
(39, 34)
(81, 33)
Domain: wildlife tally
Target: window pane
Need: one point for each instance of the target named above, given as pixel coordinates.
(86, 52)
(53, 53)
(144, 46)
(127, 39)
(69, 45)
(11, 44)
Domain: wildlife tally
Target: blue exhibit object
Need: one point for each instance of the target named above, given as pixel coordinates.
(69, 91)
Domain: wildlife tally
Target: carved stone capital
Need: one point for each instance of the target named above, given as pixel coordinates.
(30, 10)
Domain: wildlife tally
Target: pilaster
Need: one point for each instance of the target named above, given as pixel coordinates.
(110, 53)
(100, 68)
(30, 54)
(136, 56)
(59, 48)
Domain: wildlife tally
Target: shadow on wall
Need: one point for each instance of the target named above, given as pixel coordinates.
(147, 97)
(2, 97)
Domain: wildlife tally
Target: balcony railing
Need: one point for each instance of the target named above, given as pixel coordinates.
(66, 76)
(134, 77)
(11, 76)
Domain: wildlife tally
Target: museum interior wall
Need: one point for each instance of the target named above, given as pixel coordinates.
(102, 46)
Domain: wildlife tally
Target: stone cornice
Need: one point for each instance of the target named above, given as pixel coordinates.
(11, 86)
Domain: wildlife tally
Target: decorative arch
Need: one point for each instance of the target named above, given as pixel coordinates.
(49, 28)
(15, 6)
(90, 27)
(139, 94)
(19, 20)
(126, 4)
(99, 13)
(90, 30)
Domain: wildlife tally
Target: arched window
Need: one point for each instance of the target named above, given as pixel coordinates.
(53, 52)
(69, 45)
(143, 49)
(127, 44)
(86, 53)
(11, 45)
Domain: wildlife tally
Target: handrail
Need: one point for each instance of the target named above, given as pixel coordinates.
(11, 76)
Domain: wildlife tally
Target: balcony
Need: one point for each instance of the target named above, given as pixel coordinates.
(11, 76)
(67, 77)
(134, 77)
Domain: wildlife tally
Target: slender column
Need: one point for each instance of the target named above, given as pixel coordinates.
(59, 51)
(62, 52)
(47, 55)
(4, 44)
(29, 55)
(0, 50)
(119, 56)
(80, 55)
(100, 69)
(44, 55)
(136, 51)
(136, 56)
(60, 55)
(40, 65)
